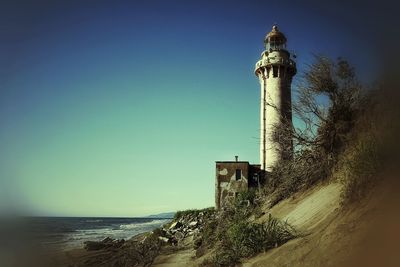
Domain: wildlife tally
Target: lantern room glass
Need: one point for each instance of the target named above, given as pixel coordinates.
(275, 44)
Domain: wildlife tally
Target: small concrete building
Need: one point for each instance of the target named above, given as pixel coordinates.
(232, 177)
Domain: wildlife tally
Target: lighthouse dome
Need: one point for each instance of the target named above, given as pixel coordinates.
(275, 39)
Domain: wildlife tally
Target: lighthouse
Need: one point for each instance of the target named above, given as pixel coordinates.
(275, 71)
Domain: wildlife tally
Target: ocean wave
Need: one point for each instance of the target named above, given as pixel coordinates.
(109, 228)
(102, 231)
(130, 226)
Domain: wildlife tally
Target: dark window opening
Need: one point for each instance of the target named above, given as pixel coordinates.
(255, 177)
(238, 174)
(274, 71)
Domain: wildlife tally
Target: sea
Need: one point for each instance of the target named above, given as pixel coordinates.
(64, 233)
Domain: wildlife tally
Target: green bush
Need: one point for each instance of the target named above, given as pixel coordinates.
(244, 239)
(246, 198)
(251, 238)
(184, 213)
(208, 235)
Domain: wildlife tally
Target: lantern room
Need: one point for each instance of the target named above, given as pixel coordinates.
(275, 40)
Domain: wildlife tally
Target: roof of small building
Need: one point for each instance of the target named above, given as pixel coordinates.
(231, 161)
(236, 162)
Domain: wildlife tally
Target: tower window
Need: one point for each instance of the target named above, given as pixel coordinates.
(275, 71)
(238, 174)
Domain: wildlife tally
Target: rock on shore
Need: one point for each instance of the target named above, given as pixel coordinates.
(190, 223)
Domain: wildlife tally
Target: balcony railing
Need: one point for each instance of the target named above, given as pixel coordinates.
(267, 61)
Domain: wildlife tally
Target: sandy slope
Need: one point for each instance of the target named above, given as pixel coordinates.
(313, 213)
(331, 235)
(181, 258)
(309, 211)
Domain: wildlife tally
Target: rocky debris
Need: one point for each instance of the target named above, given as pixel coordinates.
(142, 249)
(193, 224)
(179, 235)
(175, 225)
(190, 223)
(104, 244)
(164, 239)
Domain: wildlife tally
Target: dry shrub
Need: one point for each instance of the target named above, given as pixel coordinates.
(291, 176)
(358, 168)
(361, 164)
(327, 107)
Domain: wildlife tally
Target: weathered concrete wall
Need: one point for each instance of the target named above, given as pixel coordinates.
(275, 71)
(226, 182)
(277, 105)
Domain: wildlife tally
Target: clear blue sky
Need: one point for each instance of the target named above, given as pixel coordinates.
(121, 108)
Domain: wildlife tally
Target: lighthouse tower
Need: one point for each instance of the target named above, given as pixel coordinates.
(275, 70)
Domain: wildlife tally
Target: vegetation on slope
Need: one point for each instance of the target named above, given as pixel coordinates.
(337, 133)
(339, 137)
(232, 236)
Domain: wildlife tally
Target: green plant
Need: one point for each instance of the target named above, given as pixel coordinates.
(208, 235)
(251, 238)
(243, 239)
(183, 213)
(246, 198)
